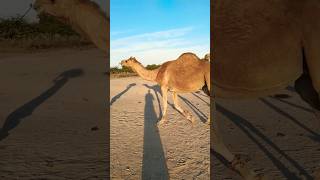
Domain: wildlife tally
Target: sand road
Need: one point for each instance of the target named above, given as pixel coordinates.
(281, 135)
(141, 150)
(52, 115)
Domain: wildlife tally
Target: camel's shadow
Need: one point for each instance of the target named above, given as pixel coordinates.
(260, 139)
(15, 117)
(116, 97)
(254, 134)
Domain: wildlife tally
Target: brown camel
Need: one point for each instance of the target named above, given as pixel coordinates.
(186, 74)
(260, 47)
(84, 16)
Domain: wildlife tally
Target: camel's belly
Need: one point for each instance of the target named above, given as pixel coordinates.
(256, 52)
(244, 81)
(272, 66)
(186, 85)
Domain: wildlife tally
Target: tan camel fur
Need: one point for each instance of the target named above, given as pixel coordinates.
(84, 16)
(186, 74)
(262, 46)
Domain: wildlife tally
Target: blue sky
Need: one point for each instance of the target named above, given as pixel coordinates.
(155, 31)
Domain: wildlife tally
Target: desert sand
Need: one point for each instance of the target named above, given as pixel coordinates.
(140, 149)
(54, 125)
(52, 115)
(279, 133)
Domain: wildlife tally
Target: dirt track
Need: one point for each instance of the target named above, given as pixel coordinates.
(281, 136)
(141, 150)
(52, 115)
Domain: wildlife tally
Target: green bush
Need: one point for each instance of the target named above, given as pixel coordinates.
(152, 66)
(46, 33)
(116, 70)
(124, 69)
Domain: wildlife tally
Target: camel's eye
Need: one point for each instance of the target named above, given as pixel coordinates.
(52, 1)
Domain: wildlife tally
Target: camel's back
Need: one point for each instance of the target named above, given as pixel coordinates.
(257, 43)
(186, 72)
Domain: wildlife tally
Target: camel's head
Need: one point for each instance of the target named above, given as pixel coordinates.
(129, 62)
(57, 8)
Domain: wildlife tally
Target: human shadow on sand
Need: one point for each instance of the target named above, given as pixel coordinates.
(154, 162)
(116, 97)
(252, 132)
(315, 136)
(15, 117)
(156, 90)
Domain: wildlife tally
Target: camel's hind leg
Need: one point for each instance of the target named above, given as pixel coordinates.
(217, 144)
(185, 113)
(164, 91)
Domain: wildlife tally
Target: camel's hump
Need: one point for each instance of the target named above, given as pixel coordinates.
(188, 56)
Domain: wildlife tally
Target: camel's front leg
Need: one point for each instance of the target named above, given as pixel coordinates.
(236, 162)
(164, 91)
(185, 113)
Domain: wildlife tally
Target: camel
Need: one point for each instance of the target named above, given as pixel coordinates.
(260, 48)
(186, 74)
(84, 16)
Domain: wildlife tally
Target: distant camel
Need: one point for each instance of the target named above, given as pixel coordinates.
(186, 74)
(84, 16)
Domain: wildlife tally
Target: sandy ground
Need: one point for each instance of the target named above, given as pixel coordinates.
(281, 136)
(53, 126)
(141, 150)
(52, 115)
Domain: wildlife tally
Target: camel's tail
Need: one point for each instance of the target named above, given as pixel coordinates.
(306, 84)
(205, 89)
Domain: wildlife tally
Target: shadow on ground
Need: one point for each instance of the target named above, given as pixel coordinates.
(255, 134)
(116, 97)
(15, 117)
(154, 162)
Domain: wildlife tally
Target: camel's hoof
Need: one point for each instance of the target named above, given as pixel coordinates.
(189, 117)
(161, 122)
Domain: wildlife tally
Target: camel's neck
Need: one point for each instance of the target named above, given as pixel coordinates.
(149, 75)
(91, 23)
